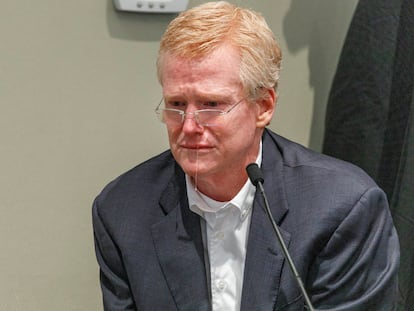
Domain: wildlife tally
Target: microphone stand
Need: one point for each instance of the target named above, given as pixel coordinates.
(256, 177)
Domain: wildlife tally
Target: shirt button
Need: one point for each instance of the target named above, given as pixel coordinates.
(244, 214)
(221, 285)
(220, 235)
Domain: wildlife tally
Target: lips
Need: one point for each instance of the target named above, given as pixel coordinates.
(195, 146)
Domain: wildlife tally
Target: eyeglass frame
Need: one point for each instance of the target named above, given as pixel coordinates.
(158, 112)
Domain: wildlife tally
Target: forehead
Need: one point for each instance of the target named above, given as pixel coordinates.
(215, 71)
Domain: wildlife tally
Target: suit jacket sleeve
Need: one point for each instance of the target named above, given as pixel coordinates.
(357, 268)
(115, 287)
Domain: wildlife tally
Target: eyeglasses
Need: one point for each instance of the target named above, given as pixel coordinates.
(203, 117)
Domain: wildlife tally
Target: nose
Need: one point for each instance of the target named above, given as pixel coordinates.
(190, 124)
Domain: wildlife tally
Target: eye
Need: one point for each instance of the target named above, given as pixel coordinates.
(211, 104)
(174, 104)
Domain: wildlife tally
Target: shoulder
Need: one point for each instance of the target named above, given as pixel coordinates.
(320, 189)
(141, 184)
(306, 163)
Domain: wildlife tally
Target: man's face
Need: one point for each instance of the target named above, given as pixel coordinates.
(211, 152)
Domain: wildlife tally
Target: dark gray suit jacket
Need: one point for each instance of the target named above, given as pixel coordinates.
(333, 217)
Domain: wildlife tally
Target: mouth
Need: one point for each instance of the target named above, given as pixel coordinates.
(195, 147)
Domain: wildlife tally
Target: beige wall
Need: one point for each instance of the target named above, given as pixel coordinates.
(77, 93)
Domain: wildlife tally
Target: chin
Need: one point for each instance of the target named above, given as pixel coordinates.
(194, 169)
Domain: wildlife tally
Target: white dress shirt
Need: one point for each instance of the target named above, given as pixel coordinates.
(226, 229)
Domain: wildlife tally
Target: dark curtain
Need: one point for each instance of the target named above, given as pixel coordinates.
(370, 113)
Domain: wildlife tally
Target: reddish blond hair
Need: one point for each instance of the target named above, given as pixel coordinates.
(198, 31)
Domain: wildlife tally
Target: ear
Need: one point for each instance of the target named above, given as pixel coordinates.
(266, 107)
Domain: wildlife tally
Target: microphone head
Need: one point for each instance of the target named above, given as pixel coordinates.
(255, 173)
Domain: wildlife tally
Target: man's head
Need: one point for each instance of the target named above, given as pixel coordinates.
(202, 29)
(223, 58)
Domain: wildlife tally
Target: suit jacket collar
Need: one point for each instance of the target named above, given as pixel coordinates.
(274, 182)
(178, 243)
(264, 259)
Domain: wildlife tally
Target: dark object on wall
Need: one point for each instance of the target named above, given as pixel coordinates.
(370, 113)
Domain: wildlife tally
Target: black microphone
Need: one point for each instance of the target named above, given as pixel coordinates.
(256, 177)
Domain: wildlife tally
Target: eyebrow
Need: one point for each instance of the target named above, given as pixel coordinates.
(201, 97)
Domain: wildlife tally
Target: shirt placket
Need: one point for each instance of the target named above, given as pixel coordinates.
(222, 273)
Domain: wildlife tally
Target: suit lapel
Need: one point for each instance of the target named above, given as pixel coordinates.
(264, 259)
(178, 243)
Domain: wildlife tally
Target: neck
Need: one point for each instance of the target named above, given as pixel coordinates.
(221, 188)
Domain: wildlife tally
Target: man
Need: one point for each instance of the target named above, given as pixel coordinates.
(186, 231)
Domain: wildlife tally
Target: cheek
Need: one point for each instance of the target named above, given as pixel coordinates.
(243, 131)
(243, 123)
(173, 135)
